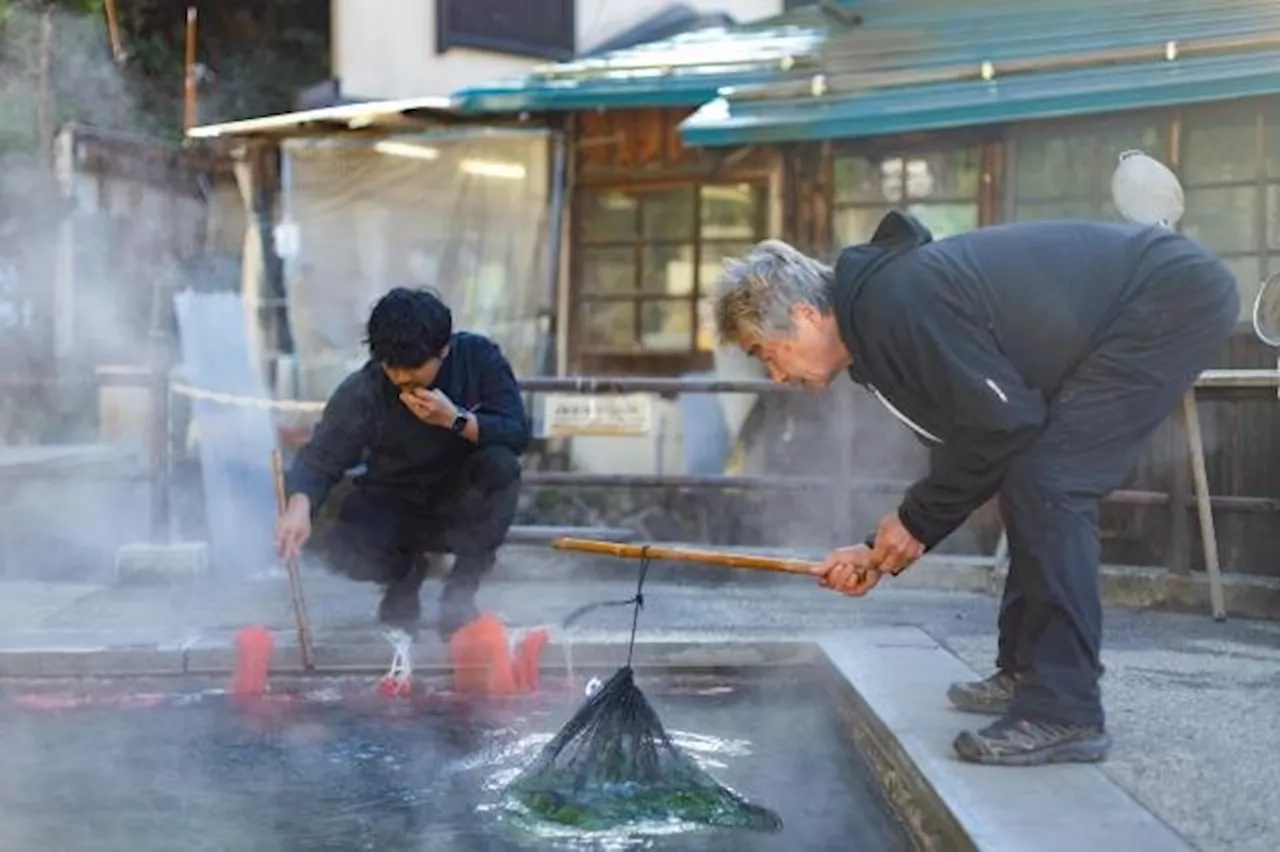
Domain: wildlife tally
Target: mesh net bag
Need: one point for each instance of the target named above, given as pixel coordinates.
(613, 764)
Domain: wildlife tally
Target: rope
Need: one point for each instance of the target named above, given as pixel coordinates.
(636, 601)
(398, 680)
(237, 401)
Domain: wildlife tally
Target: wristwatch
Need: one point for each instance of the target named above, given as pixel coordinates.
(460, 421)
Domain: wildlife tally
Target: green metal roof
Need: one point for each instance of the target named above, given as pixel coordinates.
(686, 70)
(913, 65)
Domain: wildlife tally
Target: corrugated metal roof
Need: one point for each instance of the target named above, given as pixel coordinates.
(685, 70)
(915, 65)
(404, 114)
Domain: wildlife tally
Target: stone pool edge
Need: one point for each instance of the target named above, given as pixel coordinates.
(899, 676)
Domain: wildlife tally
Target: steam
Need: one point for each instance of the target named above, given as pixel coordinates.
(844, 435)
(80, 257)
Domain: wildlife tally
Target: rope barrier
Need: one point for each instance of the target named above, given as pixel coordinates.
(237, 401)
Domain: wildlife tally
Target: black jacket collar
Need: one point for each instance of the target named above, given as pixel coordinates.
(897, 233)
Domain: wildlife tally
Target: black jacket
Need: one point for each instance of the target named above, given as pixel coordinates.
(967, 339)
(364, 421)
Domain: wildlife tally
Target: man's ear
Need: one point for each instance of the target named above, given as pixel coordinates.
(806, 314)
(444, 353)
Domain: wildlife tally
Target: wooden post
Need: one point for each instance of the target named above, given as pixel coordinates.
(44, 96)
(1207, 532)
(189, 87)
(1180, 491)
(113, 32)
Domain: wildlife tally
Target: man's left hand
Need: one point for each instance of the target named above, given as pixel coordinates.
(430, 406)
(850, 570)
(895, 547)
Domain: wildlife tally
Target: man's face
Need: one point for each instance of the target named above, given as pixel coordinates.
(802, 358)
(415, 378)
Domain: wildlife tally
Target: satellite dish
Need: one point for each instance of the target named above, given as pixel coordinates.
(1266, 311)
(1144, 190)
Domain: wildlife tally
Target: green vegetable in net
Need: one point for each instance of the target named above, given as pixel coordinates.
(614, 764)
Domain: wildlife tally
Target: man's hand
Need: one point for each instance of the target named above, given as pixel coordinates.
(294, 528)
(850, 570)
(895, 547)
(430, 406)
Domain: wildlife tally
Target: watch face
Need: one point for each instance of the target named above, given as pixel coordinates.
(459, 423)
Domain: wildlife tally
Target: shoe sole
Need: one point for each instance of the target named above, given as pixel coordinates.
(1090, 751)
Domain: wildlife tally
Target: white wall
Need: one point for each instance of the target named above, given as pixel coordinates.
(387, 48)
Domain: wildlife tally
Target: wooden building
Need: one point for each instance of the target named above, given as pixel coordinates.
(810, 126)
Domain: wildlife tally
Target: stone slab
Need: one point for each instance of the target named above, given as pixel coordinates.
(902, 674)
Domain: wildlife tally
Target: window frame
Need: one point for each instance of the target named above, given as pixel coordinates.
(1265, 113)
(986, 143)
(587, 359)
(449, 36)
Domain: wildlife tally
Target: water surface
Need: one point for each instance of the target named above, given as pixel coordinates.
(336, 768)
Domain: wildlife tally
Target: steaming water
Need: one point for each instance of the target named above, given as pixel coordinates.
(328, 772)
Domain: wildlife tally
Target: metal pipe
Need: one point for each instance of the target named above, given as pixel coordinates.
(549, 478)
(546, 362)
(1216, 382)
(666, 387)
(575, 479)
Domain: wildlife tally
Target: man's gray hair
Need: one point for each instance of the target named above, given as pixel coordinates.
(756, 294)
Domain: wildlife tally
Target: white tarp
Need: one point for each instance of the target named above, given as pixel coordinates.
(462, 212)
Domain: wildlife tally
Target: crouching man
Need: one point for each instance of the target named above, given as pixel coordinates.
(1035, 359)
(437, 418)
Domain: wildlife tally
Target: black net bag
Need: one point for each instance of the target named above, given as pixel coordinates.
(613, 764)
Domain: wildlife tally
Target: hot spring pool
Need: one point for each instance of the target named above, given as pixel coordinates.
(329, 766)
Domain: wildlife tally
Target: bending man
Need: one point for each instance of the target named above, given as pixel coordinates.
(437, 418)
(1035, 359)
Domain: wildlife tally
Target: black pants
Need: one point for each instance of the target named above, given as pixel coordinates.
(380, 533)
(1170, 329)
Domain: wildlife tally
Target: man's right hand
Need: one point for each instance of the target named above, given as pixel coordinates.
(294, 527)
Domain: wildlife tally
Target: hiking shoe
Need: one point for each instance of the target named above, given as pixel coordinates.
(1010, 741)
(988, 697)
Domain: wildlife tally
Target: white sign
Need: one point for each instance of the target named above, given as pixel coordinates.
(569, 414)
(287, 239)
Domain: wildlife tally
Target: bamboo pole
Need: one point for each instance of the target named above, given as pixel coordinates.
(300, 621)
(720, 558)
(189, 105)
(113, 32)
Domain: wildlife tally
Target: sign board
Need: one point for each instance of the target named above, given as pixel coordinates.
(287, 239)
(567, 415)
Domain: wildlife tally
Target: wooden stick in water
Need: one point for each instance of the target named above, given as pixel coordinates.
(300, 622)
(721, 558)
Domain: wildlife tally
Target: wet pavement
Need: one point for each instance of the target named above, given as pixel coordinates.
(1194, 705)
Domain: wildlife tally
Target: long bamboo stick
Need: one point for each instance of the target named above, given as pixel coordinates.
(300, 620)
(720, 558)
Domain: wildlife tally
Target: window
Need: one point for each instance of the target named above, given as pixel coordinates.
(941, 189)
(644, 266)
(1230, 170)
(1064, 172)
(542, 30)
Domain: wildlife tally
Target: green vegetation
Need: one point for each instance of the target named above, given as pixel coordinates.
(255, 56)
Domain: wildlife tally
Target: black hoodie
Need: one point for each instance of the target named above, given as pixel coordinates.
(967, 339)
